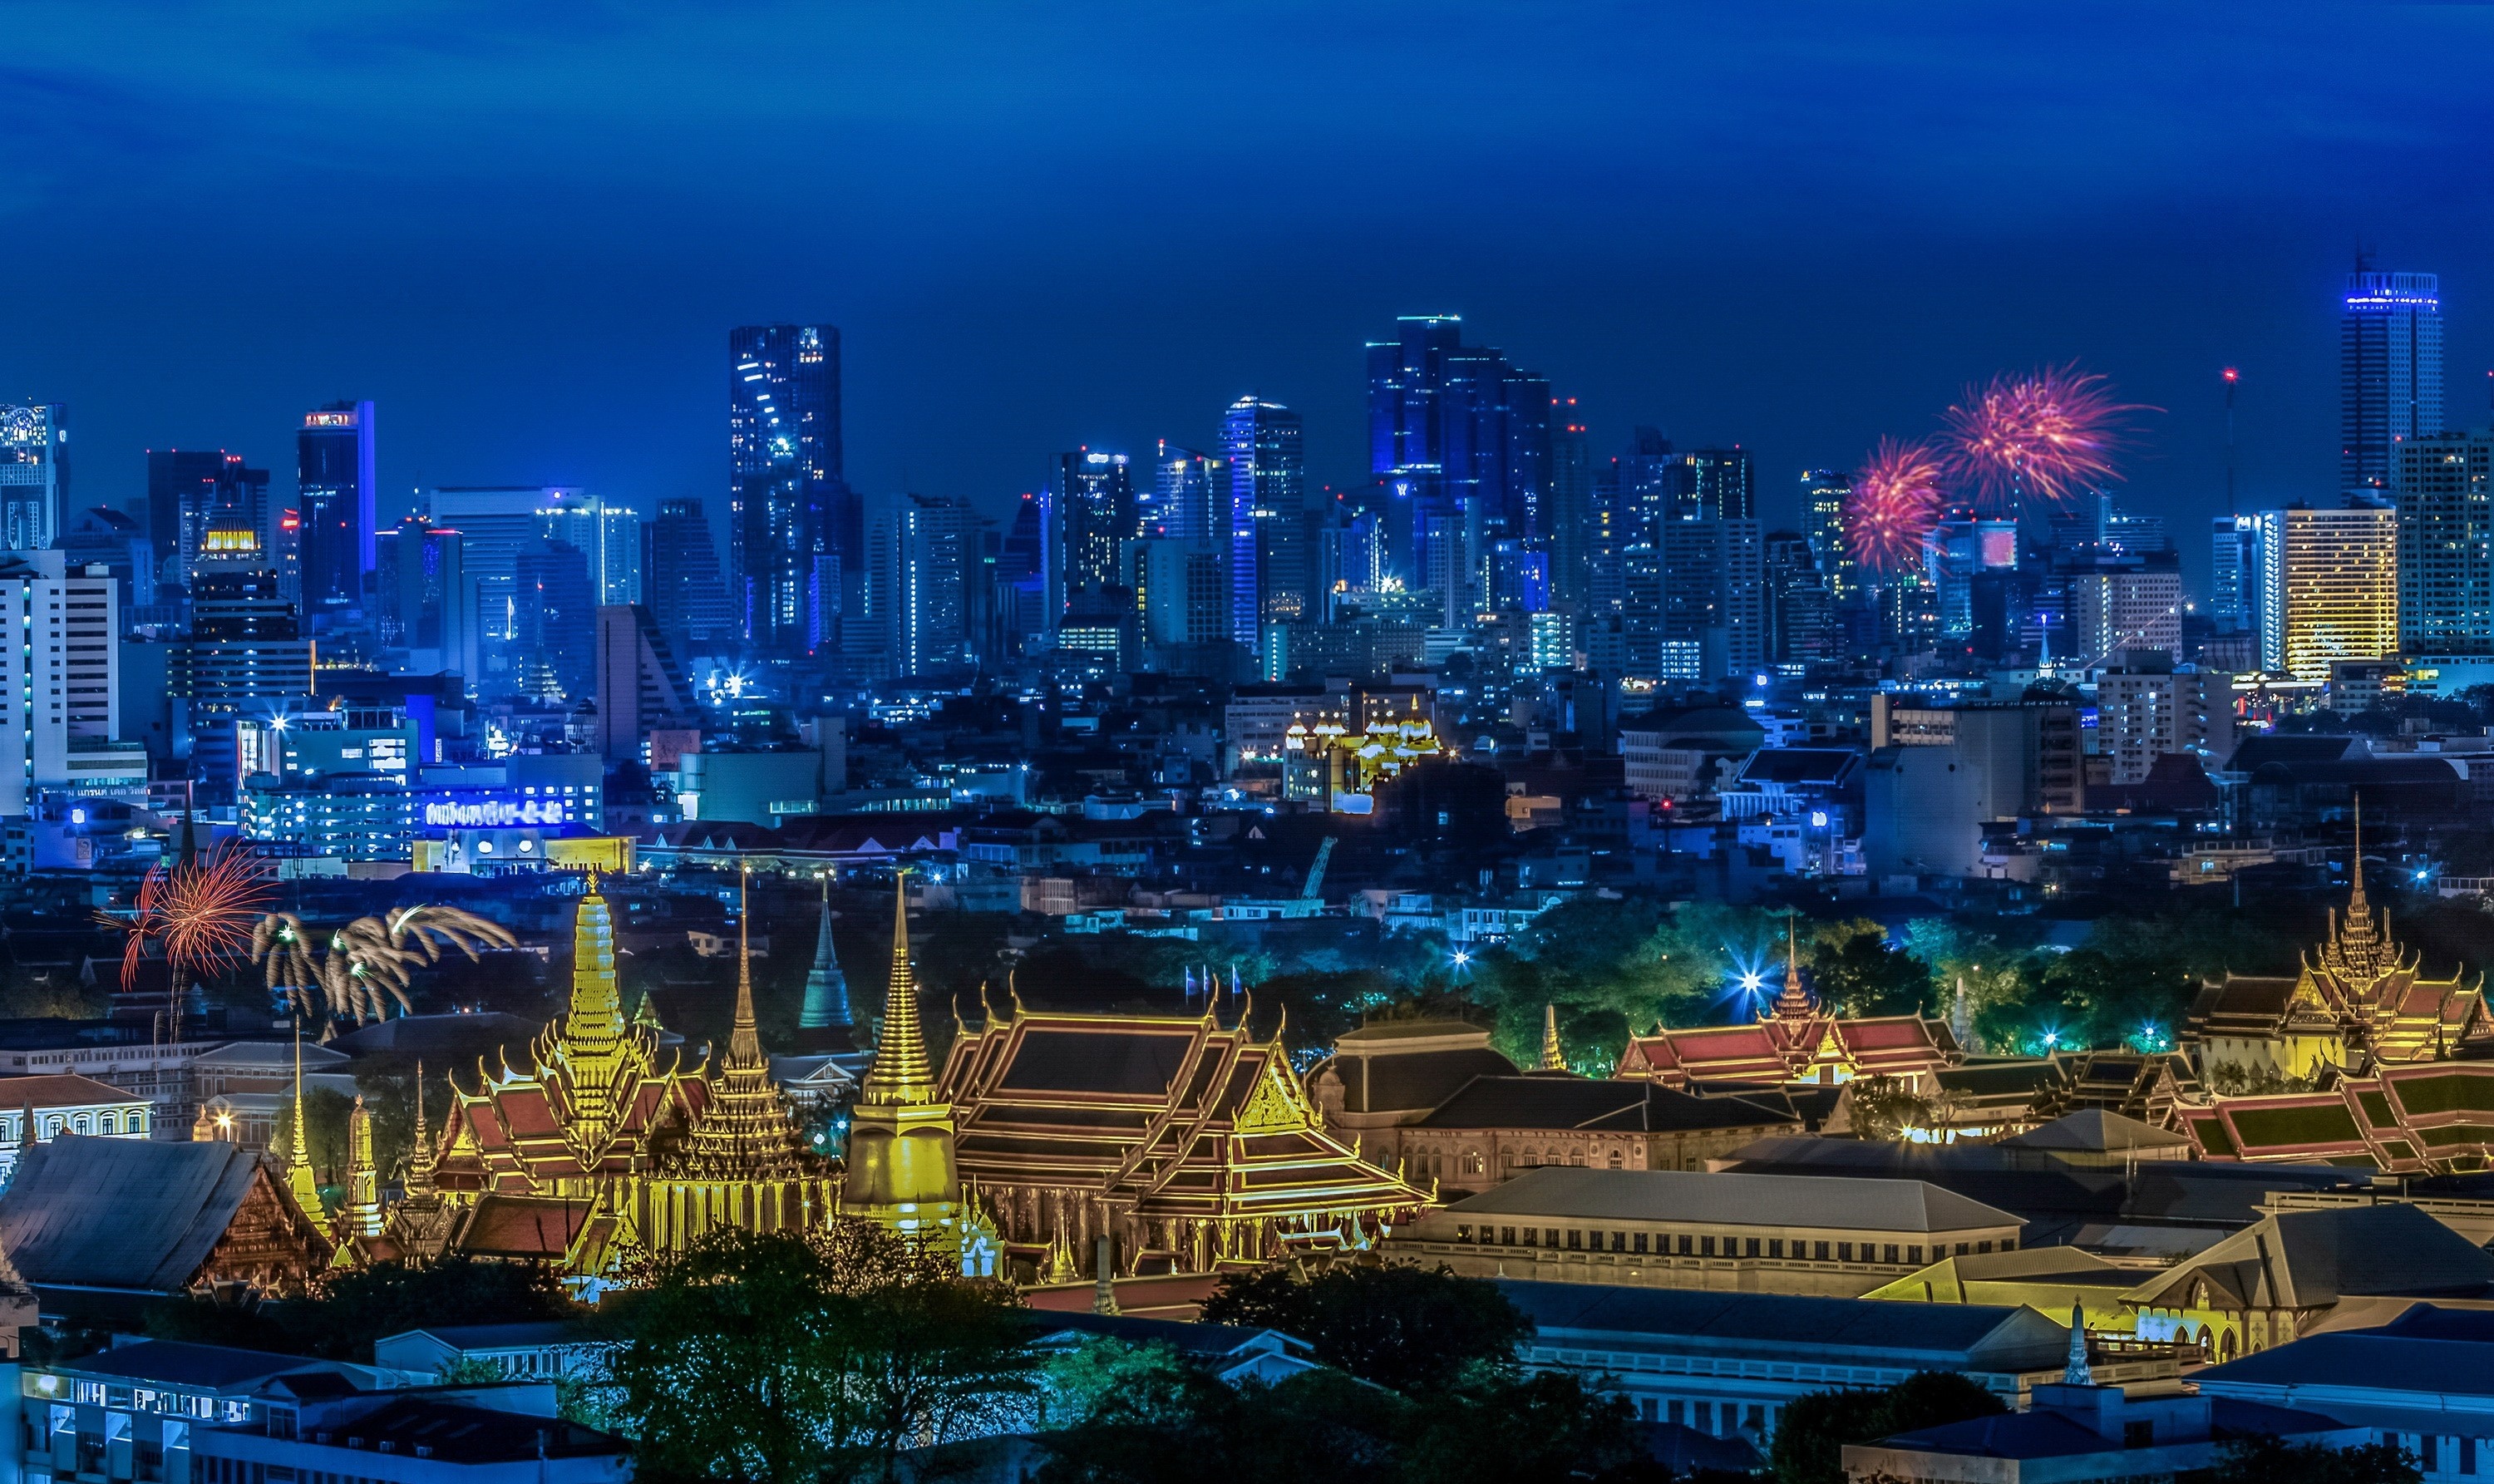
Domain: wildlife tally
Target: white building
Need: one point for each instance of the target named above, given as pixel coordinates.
(2147, 710)
(60, 706)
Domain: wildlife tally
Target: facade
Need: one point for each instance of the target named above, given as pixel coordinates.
(34, 475)
(2390, 374)
(2148, 710)
(333, 469)
(1712, 582)
(608, 535)
(1498, 1128)
(426, 607)
(2123, 603)
(1823, 494)
(1091, 513)
(553, 622)
(639, 683)
(1264, 517)
(796, 537)
(36, 1108)
(1793, 1042)
(680, 565)
(2329, 589)
(1459, 449)
(1835, 1236)
(1183, 590)
(2234, 574)
(2421, 1381)
(59, 686)
(2076, 1432)
(131, 1216)
(2445, 510)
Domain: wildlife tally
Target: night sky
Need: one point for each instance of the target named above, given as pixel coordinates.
(525, 231)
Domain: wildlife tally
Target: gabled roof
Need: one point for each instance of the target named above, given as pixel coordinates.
(1758, 1201)
(1634, 1104)
(2364, 1359)
(61, 1089)
(122, 1213)
(1944, 1336)
(2096, 1131)
(2307, 1259)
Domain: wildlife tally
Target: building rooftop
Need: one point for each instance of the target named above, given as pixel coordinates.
(1751, 1200)
(180, 1363)
(1945, 1336)
(1578, 1102)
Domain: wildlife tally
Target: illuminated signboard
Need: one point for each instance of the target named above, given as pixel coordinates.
(328, 419)
(495, 813)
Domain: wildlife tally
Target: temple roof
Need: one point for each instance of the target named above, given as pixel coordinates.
(124, 1213)
(1753, 1200)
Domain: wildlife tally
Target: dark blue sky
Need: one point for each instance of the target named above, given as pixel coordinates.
(525, 229)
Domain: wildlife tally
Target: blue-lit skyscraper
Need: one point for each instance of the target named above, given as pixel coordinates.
(1266, 518)
(333, 471)
(1459, 443)
(1091, 515)
(2390, 367)
(796, 537)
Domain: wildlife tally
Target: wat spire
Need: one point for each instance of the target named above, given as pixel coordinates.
(902, 1074)
(826, 1012)
(1554, 1058)
(299, 1179)
(744, 1132)
(362, 1213)
(420, 1159)
(1793, 1004)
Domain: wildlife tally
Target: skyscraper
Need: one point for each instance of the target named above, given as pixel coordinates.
(1800, 620)
(2329, 588)
(1568, 518)
(34, 475)
(554, 623)
(54, 610)
(939, 557)
(1459, 444)
(1722, 485)
(1266, 525)
(794, 532)
(1091, 495)
(608, 535)
(333, 471)
(2445, 490)
(1823, 492)
(2389, 370)
(187, 488)
(1188, 488)
(2233, 574)
(426, 606)
(680, 567)
(639, 683)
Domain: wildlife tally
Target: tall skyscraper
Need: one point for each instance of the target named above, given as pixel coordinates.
(1092, 513)
(1568, 524)
(2233, 574)
(939, 557)
(1801, 627)
(554, 623)
(69, 642)
(1823, 492)
(1459, 444)
(495, 522)
(426, 605)
(608, 535)
(187, 489)
(2329, 588)
(34, 475)
(680, 567)
(794, 532)
(2390, 371)
(639, 683)
(1711, 576)
(1722, 485)
(2444, 488)
(1190, 495)
(1266, 517)
(333, 471)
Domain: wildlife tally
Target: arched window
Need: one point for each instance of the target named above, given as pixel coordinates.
(107, 1123)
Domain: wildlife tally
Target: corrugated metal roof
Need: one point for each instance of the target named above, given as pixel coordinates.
(121, 1213)
(1749, 1200)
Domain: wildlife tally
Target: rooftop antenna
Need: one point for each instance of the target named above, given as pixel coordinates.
(2232, 377)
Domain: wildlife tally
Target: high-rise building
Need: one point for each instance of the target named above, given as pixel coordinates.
(608, 535)
(1190, 491)
(59, 687)
(1722, 485)
(247, 654)
(1568, 524)
(2444, 484)
(2147, 709)
(1182, 592)
(794, 530)
(187, 488)
(1265, 521)
(2329, 588)
(2233, 574)
(1712, 579)
(34, 475)
(2389, 372)
(1801, 619)
(333, 471)
(425, 597)
(639, 683)
(554, 623)
(939, 560)
(2121, 602)
(1957, 550)
(1459, 449)
(1823, 494)
(680, 570)
(1092, 513)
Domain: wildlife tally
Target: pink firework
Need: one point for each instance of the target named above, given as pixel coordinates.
(2040, 438)
(1895, 498)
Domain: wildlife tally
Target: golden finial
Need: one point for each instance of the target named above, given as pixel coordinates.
(1553, 1057)
(1012, 990)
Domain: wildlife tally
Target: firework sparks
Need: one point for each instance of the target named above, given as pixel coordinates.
(199, 915)
(1896, 496)
(2036, 438)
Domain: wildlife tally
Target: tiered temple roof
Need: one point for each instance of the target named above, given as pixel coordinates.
(1793, 1042)
(2420, 1118)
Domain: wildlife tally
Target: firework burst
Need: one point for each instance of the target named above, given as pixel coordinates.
(2037, 438)
(1895, 498)
(200, 914)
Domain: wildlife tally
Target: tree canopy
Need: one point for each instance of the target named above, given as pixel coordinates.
(1397, 1325)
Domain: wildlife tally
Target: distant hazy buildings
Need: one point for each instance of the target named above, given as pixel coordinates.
(333, 467)
(1459, 452)
(794, 532)
(190, 487)
(1266, 517)
(680, 571)
(34, 475)
(2390, 358)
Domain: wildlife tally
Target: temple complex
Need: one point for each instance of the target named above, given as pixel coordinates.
(1793, 1041)
(1190, 1145)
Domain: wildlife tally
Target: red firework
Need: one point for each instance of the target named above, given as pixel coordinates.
(2040, 438)
(1895, 498)
(201, 914)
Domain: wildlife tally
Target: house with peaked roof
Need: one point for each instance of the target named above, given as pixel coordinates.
(1795, 1042)
(1396, 1073)
(1665, 1228)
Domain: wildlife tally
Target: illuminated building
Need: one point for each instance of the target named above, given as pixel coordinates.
(1186, 488)
(2389, 370)
(2147, 709)
(608, 536)
(2233, 574)
(1823, 492)
(2360, 1001)
(1800, 612)
(425, 605)
(60, 684)
(1568, 513)
(1793, 1041)
(1190, 1145)
(2329, 589)
(1325, 761)
(1264, 517)
(600, 1144)
(1182, 592)
(554, 623)
(34, 475)
(2118, 603)
(796, 537)
(680, 564)
(2446, 507)
(334, 474)
(247, 655)
(188, 490)
(1090, 515)
(1459, 449)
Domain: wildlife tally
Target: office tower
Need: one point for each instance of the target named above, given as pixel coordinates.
(1570, 523)
(1266, 525)
(1956, 550)
(333, 471)
(1182, 590)
(639, 683)
(794, 530)
(1722, 485)
(938, 549)
(608, 535)
(247, 654)
(495, 522)
(1711, 578)
(1017, 603)
(187, 489)
(1519, 577)
(2329, 588)
(104, 537)
(1823, 494)
(2443, 483)
(1459, 447)
(680, 570)
(1650, 485)
(2233, 574)
(554, 622)
(1092, 510)
(1190, 493)
(424, 597)
(2146, 710)
(2126, 529)
(1800, 618)
(34, 475)
(1351, 558)
(2121, 603)
(59, 687)
(2389, 372)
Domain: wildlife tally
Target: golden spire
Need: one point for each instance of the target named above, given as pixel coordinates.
(420, 1160)
(902, 1073)
(298, 1159)
(744, 1133)
(1793, 1003)
(2356, 905)
(743, 1043)
(363, 1210)
(1553, 1058)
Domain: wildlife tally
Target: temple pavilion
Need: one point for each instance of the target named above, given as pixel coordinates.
(1794, 1041)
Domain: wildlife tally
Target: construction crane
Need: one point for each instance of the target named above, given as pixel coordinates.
(1313, 890)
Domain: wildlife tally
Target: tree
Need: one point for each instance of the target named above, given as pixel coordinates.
(351, 1309)
(1810, 1441)
(1408, 1328)
(1884, 1107)
(1858, 974)
(2267, 1458)
(772, 1358)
